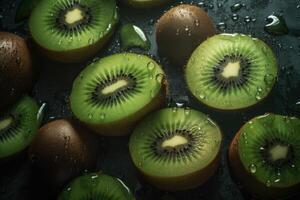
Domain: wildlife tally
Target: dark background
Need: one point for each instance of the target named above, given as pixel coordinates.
(55, 80)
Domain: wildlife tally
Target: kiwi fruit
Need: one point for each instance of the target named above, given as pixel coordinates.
(96, 186)
(16, 71)
(176, 148)
(72, 30)
(113, 93)
(25, 8)
(231, 72)
(18, 126)
(264, 156)
(180, 30)
(62, 150)
(145, 3)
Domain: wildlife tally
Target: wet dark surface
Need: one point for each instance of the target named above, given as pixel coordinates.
(54, 82)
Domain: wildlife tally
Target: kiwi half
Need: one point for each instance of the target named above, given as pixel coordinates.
(18, 126)
(113, 93)
(176, 148)
(62, 150)
(145, 3)
(72, 30)
(264, 156)
(16, 71)
(231, 71)
(96, 186)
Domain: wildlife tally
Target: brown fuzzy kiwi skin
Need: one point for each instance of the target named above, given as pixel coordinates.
(62, 150)
(16, 70)
(77, 55)
(249, 183)
(125, 126)
(135, 4)
(178, 46)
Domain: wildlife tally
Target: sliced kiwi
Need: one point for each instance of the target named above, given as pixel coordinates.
(96, 186)
(265, 156)
(18, 127)
(111, 94)
(72, 30)
(231, 71)
(176, 148)
(145, 3)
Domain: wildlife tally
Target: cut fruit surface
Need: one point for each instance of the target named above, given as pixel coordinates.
(117, 89)
(174, 148)
(231, 71)
(96, 186)
(66, 28)
(18, 127)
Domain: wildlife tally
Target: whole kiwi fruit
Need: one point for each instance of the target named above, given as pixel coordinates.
(96, 186)
(62, 150)
(264, 157)
(113, 93)
(16, 72)
(72, 30)
(180, 30)
(231, 72)
(176, 148)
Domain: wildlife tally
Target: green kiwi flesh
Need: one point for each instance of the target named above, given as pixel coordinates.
(145, 3)
(18, 126)
(176, 148)
(72, 30)
(96, 186)
(111, 94)
(269, 149)
(231, 71)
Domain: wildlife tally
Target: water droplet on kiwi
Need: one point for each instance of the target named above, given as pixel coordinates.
(252, 168)
(59, 42)
(93, 177)
(269, 79)
(160, 78)
(236, 7)
(277, 180)
(69, 189)
(268, 183)
(90, 115)
(150, 66)
(90, 41)
(102, 116)
(276, 25)
(187, 110)
(174, 109)
(293, 166)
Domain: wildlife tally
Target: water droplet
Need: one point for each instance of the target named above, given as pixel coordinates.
(269, 79)
(102, 116)
(221, 26)
(69, 189)
(59, 42)
(247, 19)
(160, 78)
(174, 109)
(187, 110)
(268, 183)
(90, 115)
(179, 104)
(236, 7)
(276, 25)
(150, 66)
(252, 168)
(94, 176)
(235, 17)
(277, 180)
